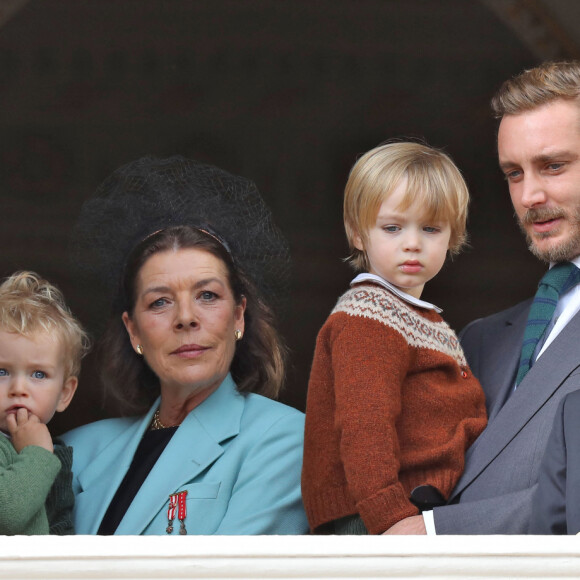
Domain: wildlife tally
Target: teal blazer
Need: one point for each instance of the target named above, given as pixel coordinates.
(239, 456)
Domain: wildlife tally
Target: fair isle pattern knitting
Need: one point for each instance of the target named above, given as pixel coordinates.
(383, 415)
(379, 304)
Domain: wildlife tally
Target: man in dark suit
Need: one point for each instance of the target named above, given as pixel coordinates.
(539, 153)
(556, 505)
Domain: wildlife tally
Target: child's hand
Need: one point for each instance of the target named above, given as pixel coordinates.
(26, 429)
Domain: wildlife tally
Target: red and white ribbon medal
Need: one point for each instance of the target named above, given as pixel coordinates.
(177, 503)
(171, 513)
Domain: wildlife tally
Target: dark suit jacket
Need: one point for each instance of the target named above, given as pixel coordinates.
(556, 505)
(494, 494)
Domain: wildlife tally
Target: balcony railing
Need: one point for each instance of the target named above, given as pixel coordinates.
(231, 557)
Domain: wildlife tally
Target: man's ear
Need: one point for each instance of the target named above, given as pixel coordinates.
(68, 390)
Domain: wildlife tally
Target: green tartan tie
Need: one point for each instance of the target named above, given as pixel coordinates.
(555, 282)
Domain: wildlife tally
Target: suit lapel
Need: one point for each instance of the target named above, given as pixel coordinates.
(192, 449)
(541, 382)
(500, 376)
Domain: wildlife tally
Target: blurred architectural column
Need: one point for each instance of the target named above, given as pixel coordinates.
(8, 8)
(549, 28)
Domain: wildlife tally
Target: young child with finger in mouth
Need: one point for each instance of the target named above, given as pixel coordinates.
(392, 405)
(41, 346)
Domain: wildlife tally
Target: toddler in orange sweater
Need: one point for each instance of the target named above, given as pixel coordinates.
(392, 405)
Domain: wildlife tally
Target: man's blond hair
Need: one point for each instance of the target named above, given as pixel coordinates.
(536, 87)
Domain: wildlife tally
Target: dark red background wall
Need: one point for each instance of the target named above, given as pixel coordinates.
(286, 93)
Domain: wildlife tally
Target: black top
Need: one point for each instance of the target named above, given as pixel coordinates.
(150, 449)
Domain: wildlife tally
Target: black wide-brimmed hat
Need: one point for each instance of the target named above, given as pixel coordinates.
(151, 194)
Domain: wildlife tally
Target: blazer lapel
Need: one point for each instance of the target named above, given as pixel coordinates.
(542, 381)
(192, 449)
(100, 480)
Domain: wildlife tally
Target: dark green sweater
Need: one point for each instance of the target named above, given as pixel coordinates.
(35, 490)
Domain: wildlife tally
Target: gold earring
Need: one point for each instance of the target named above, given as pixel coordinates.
(238, 334)
(139, 349)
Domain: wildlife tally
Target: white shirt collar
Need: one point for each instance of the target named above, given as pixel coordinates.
(575, 261)
(366, 277)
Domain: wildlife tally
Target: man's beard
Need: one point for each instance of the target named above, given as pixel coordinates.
(564, 251)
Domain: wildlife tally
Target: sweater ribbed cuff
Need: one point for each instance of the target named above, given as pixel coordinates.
(332, 504)
(384, 509)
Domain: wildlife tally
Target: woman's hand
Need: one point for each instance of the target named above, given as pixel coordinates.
(26, 429)
(413, 525)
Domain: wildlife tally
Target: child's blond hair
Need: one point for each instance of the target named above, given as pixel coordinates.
(30, 304)
(433, 181)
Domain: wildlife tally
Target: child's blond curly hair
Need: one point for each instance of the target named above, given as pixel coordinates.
(30, 304)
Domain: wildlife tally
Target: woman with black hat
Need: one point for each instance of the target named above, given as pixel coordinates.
(192, 348)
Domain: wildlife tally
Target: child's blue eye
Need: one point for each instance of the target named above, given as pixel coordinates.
(3, 373)
(39, 374)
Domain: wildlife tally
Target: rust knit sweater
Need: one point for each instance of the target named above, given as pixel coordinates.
(391, 405)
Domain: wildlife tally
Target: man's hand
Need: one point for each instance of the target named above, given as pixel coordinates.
(26, 429)
(413, 525)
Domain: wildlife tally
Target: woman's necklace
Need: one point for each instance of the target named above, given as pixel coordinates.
(157, 424)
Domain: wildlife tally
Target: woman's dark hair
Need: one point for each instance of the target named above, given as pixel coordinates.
(259, 360)
(151, 205)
